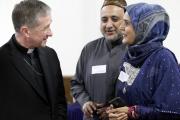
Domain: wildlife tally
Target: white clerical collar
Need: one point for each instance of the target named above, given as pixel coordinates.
(30, 50)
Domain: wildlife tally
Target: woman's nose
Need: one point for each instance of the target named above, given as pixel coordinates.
(122, 26)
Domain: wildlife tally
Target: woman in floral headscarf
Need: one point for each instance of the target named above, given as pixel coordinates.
(149, 79)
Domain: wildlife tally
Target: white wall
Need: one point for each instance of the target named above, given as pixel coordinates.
(76, 22)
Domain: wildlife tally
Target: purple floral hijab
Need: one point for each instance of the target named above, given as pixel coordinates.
(153, 82)
(151, 25)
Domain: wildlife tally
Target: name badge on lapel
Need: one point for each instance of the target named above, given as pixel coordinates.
(123, 77)
(98, 69)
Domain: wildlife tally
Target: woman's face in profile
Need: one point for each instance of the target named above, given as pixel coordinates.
(127, 30)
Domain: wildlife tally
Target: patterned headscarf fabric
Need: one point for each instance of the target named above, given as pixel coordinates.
(151, 25)
(151, 78)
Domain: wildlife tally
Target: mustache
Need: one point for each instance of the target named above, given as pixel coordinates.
(109, 30)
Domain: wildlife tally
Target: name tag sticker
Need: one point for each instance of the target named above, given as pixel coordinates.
(98, 69)
(123, 77)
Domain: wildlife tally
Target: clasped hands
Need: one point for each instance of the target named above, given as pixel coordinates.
(103, 112)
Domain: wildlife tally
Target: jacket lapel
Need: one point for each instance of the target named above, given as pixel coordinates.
(23, 67)
(45, 64)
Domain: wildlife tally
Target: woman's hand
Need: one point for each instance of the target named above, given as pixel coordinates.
(118, 113)
(88, 109)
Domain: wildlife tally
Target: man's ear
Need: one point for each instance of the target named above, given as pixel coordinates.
(25, 30)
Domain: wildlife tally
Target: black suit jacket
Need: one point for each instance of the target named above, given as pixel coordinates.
(20, 96)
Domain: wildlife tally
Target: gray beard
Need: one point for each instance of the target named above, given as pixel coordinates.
(118, 38)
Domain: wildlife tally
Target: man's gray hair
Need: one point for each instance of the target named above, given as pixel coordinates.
(27, 12)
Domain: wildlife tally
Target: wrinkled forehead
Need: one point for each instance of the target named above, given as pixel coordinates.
(112, 10)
